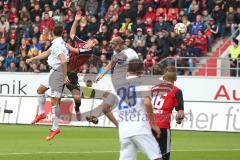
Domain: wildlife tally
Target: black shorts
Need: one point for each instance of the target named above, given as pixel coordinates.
(164, 142)
(72, 76)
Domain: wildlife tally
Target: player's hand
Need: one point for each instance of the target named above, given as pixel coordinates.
(78, 17)
(66, 80)
(100, 76)
(89, 44)
(179, 120)
(156, 131)
(29, 60)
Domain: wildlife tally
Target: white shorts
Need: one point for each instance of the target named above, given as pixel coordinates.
(55, 83)
(146, 143)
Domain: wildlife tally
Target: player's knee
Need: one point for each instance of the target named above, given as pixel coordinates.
(41, 90)
(106, 94)
(76, 98)
(105, 108)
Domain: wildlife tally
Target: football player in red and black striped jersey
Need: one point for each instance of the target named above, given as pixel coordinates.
(163, 106)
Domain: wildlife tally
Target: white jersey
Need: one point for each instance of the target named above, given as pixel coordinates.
(121, 59)
(131, 109)
(58, 47)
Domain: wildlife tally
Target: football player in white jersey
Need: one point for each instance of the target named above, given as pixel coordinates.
(119, 62)
(58, 56)
(134, 118)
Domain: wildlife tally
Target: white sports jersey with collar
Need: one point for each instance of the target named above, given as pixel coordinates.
(58, 47)
(121, 59)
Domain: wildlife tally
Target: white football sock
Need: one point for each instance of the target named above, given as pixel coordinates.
(56, 117)
(41, 103)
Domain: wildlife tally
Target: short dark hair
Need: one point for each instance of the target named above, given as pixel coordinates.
(135, 66)
(170, 74)
(58, 30)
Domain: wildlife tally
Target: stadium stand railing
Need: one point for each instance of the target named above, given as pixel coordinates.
(221, 70)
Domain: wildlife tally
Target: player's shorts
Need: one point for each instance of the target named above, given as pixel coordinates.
(146, 143)
(56, 82)
(72, 76)
(164, 142)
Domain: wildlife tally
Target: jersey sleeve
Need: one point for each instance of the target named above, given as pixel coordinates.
(57, 49)
(180, 103)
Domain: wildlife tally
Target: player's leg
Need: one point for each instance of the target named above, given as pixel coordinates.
(77, 101)
(128, 150)
(55, 125)
(164, 142)
(148, 145)
(41, 103)
(56, 85)
(75, 91)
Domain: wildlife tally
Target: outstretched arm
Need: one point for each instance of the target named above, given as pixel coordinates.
(74, 26)
(44, 55)
(106, 69)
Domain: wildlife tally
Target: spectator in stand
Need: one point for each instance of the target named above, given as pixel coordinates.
(12, 67)
(139, 24)
(200, 44)
(197, 26)
(67, 4)
(150, 39)
(93, 26)
(193, 11)
(56, 5)
(43, 68)
(23, 66)
(3, 46)
(10, 58)
(149, 62)
(220, 19)
(172, 14)
(36, 11)
(47, 23)
(127, 25)
(114, 23)
(236, 22)
(128, 43)
(187, 61)
(45, 37)
(35, 48)
(230, 19)
(13, 14)
(140, 10)
(13, 46)
(163, 46)
(161, 24)
(91, 7)
(105, 34)
(1, 66)
(139, 37)
(110, 13)
(4, 25)
(149, 18)
(211, 32)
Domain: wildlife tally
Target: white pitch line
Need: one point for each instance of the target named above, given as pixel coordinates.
(102, 152)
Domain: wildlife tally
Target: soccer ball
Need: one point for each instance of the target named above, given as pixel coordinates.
(180, 28)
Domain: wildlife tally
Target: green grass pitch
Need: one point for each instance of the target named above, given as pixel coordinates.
(23, 142)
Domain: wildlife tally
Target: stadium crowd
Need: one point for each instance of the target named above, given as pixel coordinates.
(147, 26)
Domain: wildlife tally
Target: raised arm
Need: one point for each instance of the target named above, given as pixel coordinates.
(74, 26)
(44, 55)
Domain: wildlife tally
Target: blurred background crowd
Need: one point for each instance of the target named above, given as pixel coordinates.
(147, 26)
